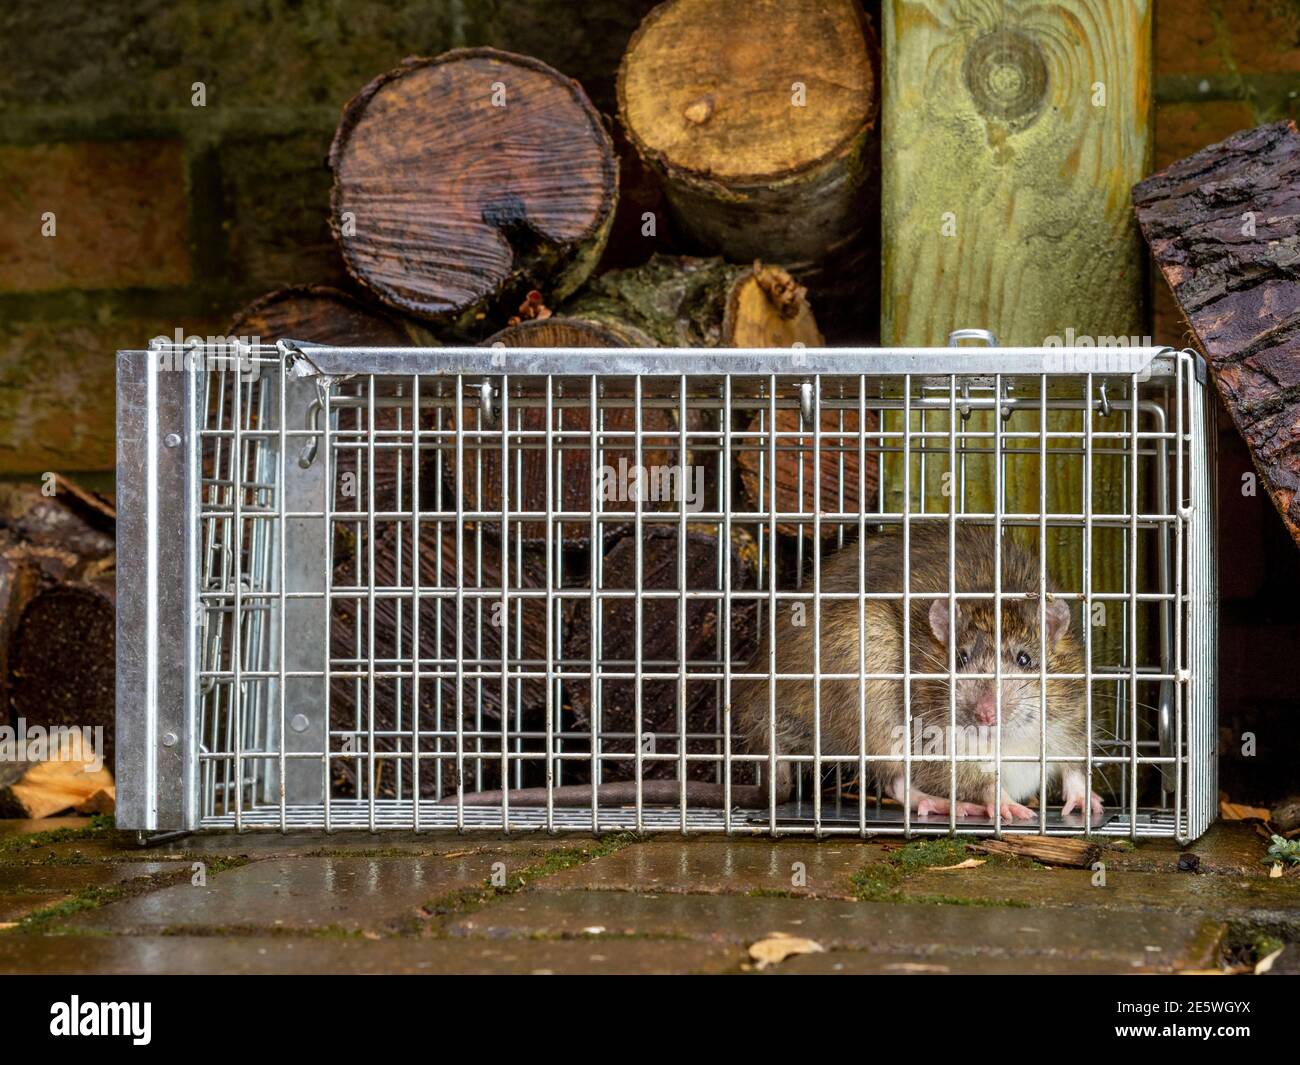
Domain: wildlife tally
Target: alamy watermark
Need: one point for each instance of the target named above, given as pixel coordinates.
(630, 483)
(181, 352)
(1102, 354)
(58, 743)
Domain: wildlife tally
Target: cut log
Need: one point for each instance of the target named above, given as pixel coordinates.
(327, 315)
(758, 117)
(62, 664)
(1051, 850)
(1224, 227)
(483, 622)
(571, 413)
(685, 302)
(62, 521)
(661, 625)
(46, 540)
(846, 484)
(324, 315)
(464, 181)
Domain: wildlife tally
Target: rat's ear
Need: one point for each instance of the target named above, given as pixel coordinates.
(939, 620)
(1058, 619)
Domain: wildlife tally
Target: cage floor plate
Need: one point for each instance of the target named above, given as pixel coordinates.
(880, 817)
(792, 819)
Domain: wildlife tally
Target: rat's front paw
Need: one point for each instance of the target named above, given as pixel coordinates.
(1011, 811)
(1076, 802)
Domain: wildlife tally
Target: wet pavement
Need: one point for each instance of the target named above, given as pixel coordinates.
(77, 897)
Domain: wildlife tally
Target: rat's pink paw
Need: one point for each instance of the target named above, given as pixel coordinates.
(1012, 811)
(1075, 802)
(929, 806)
(970, 809)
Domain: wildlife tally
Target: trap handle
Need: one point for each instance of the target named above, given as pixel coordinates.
(958, 335)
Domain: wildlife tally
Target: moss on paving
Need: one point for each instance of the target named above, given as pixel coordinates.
(99, 827)
(882, 881)
(50, 919)
(458, 903)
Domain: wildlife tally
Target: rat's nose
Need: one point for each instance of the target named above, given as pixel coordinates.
(986, 710)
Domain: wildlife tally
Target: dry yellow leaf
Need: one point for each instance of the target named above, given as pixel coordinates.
(779, 945)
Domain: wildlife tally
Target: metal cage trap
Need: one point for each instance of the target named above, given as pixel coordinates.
(359, 588)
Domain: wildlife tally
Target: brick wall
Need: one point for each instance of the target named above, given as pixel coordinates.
(171, 215)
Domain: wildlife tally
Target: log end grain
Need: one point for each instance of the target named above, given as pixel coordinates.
(711, 88)
(462, 180)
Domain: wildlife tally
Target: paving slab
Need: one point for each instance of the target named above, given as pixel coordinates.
(1124, 938)
(284, 844)
(1228, 847)
(1272, 903)
(286, 954)
(722, 866)
(350, 894)
(16, 905)
(63, 879)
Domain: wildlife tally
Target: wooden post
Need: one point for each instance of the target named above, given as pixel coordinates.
(1013, 134)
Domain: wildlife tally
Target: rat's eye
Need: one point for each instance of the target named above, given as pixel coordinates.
(963, 659)
(1023, 660)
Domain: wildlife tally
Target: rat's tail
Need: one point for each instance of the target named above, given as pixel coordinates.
(701, 794)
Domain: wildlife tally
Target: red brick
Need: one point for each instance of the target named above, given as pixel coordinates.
(57, 390)
(119, 209)
(1227, 37)
(1184, 128)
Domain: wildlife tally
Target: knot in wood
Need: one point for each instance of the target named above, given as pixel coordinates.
(699, 111)
(1006, 74)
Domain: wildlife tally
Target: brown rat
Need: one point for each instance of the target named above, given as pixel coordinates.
(884, 731)
(928, 652)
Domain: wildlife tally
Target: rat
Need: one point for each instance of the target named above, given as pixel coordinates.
(933, 633)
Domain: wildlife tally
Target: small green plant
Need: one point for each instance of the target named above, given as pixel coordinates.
(1284, 850)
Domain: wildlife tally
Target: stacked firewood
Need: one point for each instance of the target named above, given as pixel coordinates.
(56, 648)
(476, 196)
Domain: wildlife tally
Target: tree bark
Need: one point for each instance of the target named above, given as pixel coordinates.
(759, 119)
(661, 626)
(1224, 227)
(464, 181)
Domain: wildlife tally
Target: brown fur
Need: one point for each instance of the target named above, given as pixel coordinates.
(842, 730)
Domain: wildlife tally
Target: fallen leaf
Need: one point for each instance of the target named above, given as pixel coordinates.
(1266, 962)
(969, 863)
(1232, 811)
(779, 945)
